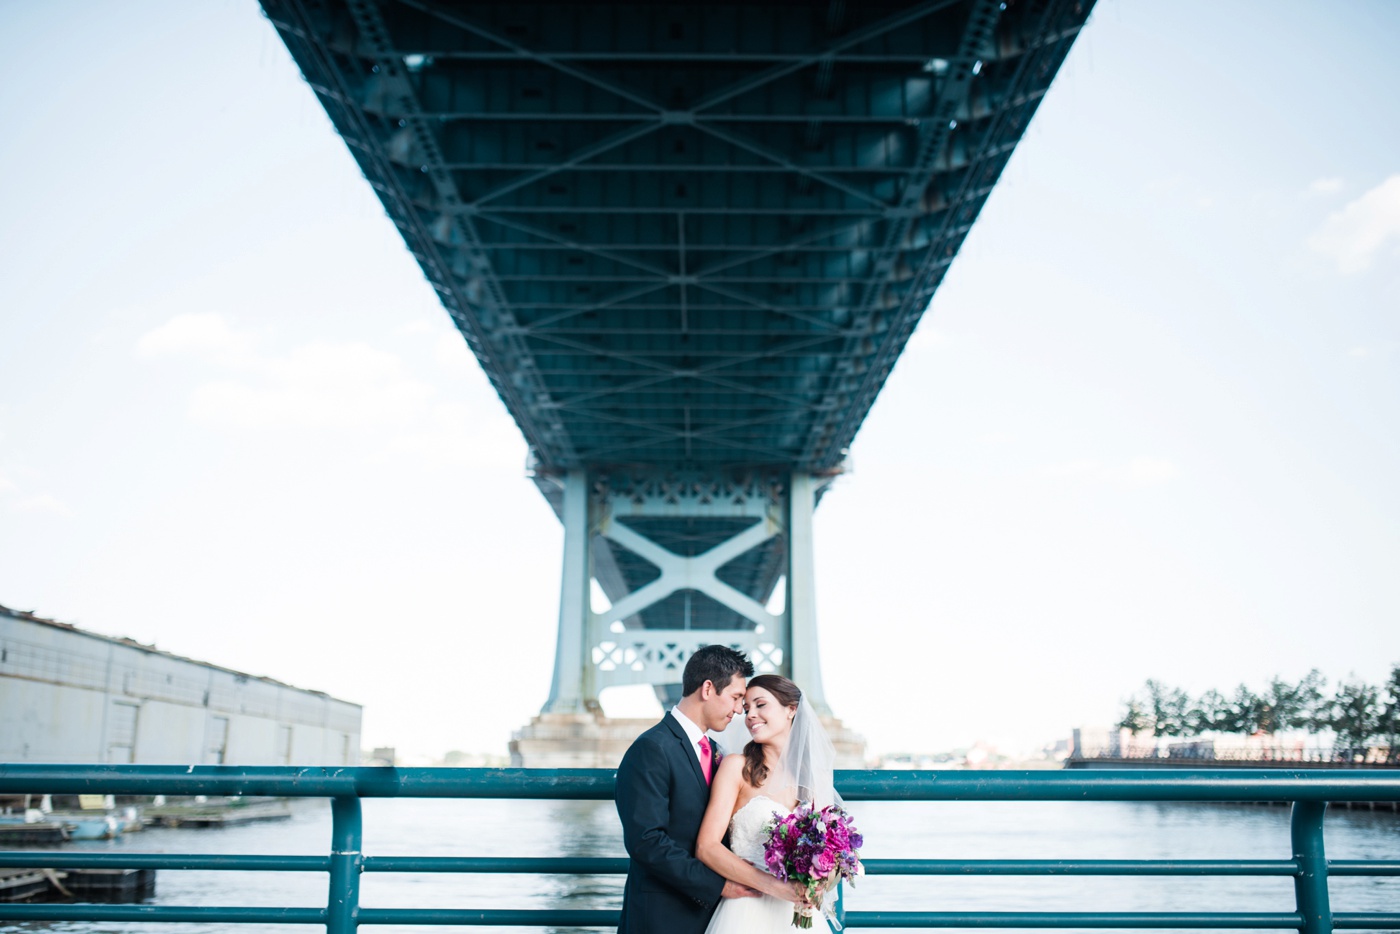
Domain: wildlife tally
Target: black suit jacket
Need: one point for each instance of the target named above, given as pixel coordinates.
(661, 798)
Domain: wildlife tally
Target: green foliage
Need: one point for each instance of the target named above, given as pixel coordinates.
(1287, 706)
(1210, 713)
(1310, 698)
(1389, 726)
(1244, 712)
(1169, 707)
(1162, 710)
(1134, 719)
(1357, 712)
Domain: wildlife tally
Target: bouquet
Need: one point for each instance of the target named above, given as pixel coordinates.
(816, 848)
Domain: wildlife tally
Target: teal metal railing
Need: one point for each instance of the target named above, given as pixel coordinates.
(1308, 791)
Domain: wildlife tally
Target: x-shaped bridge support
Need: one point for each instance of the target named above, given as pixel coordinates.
(597, 650)
(682, 573)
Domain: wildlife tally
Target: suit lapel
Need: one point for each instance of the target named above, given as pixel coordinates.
(689, 751)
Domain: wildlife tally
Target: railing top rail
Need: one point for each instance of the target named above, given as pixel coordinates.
(598, 784)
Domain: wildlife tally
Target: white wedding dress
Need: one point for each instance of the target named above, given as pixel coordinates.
(765, 914)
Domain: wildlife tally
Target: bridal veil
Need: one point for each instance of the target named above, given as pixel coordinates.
(809, 761)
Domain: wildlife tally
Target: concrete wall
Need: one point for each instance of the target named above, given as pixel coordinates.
(71, 696)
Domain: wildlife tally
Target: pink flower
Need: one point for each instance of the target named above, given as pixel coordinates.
(838, 837)
(823, 861)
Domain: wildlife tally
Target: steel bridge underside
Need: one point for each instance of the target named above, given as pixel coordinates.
(687, 242)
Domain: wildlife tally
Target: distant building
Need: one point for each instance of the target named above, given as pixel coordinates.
(381, 756)
(71, 696)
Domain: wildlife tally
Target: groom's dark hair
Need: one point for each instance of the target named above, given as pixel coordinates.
(717, 664)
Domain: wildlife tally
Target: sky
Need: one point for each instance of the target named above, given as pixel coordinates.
(1148, 428)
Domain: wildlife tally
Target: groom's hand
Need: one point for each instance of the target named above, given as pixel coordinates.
(735, 890)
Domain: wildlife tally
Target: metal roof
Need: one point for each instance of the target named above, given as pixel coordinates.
(683, 235)
(27, 616)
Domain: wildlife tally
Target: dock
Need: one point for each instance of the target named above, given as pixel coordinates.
(41, 833)
(121, 886)
(220, 813)
(107, 886)
(22, 885)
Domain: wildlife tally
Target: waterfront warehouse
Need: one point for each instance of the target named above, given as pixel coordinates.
(68, 695)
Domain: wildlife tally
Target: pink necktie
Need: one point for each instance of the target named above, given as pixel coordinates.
(705, 757)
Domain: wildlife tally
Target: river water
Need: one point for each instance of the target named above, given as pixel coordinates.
(936, 830)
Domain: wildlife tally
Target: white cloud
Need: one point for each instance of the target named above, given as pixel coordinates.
(416, 326)
(1384, 349)
(1325, 186)
(1180, 190)
(43, 503)
(347, 388)
(196, 333)
(925, 338)
(451, 350)
(320, 385)
(1355, 234)
(33, 502)
(1137, 473)
(1149, 471)
(455, 436)
(1075, 469)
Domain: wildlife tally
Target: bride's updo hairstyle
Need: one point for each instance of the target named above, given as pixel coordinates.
(787, 694)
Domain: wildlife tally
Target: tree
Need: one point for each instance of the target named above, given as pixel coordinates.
(1135, 719)
(1356, 715)
(1244, 712)
(1169, 706)
(1311, 705)
(1389, 725)
(1209, 713)
(1287, 706)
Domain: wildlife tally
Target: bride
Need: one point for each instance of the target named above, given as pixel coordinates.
(789, 760)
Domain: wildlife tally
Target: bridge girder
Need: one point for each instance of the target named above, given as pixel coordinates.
(681, 234)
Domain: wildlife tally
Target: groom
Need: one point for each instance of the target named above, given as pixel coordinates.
(663, 785)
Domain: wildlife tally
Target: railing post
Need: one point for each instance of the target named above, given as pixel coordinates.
(347, 836)
(1310, 885)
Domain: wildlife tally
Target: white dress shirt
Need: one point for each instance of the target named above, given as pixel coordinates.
(693, 731)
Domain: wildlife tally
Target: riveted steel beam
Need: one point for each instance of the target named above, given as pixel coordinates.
(679, 235)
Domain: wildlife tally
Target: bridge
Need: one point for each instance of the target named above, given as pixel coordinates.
(687, 243)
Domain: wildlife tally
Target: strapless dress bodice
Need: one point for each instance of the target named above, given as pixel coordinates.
(746, 837)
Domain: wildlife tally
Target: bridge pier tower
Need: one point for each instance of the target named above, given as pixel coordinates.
(684, 559)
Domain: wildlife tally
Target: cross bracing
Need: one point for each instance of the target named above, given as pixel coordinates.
(723, 219)
(684, 238)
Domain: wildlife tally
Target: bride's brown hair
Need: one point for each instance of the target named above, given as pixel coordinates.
(787, 694)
